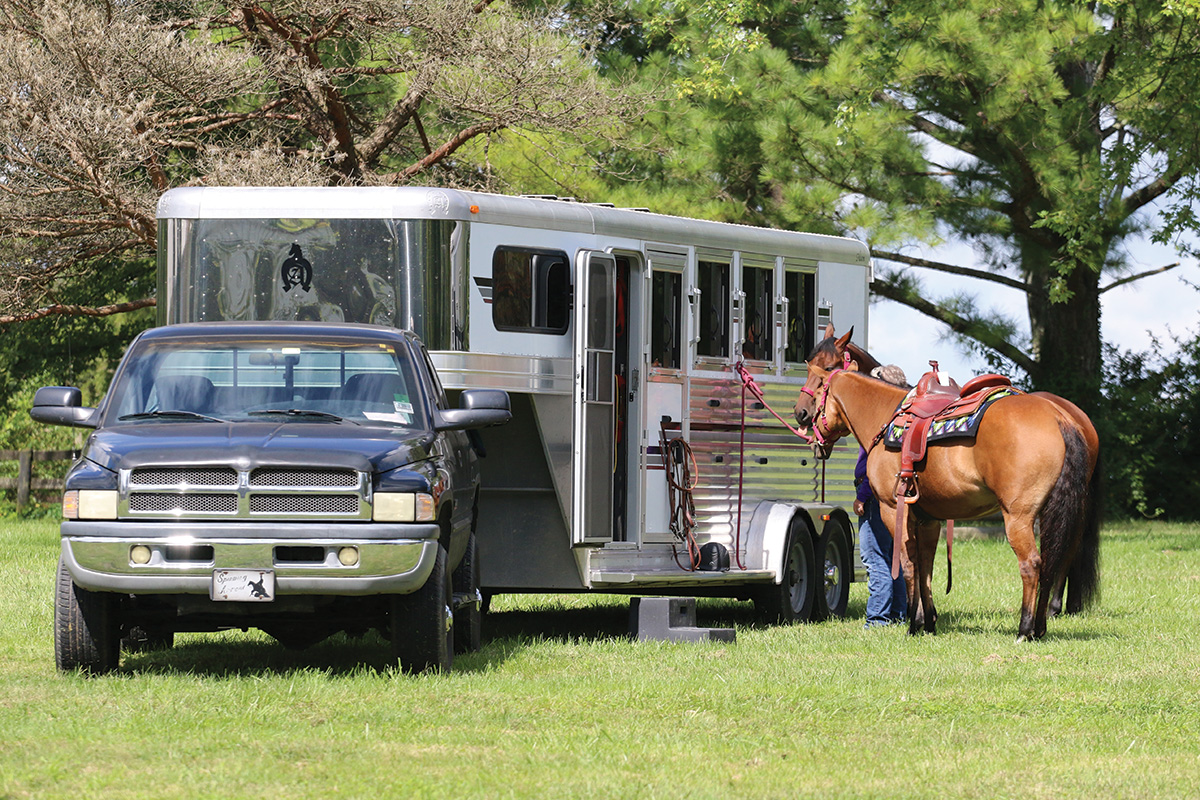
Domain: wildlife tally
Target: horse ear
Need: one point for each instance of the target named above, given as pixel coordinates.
(842, 343)
(829, 331)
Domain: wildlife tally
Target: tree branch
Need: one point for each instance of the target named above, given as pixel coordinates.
(1138, 277)
(957, 323)
(1004, 280)
(455, 142)
(79, 311)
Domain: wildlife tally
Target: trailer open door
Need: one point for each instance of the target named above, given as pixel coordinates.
(595, 394)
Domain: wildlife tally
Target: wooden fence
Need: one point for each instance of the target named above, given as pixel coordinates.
(25, 483)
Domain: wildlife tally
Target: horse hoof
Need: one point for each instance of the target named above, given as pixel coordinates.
(1023, 638)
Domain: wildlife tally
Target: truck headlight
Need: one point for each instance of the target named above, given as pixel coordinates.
(403, 507)
(89, 504)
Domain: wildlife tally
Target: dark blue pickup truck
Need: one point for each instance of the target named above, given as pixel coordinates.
(300, 478)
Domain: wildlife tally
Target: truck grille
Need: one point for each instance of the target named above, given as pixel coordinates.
(314, 493)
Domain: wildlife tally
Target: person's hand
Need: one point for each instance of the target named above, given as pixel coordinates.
(860, 508)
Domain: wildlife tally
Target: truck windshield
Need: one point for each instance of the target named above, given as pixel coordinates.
(366, 383)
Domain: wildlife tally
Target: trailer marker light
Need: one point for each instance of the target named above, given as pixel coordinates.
(474, 209)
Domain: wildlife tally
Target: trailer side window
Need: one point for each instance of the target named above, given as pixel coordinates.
(666, 328)
(800, 288)
(531, 290)
(713, 282)
(758, 284)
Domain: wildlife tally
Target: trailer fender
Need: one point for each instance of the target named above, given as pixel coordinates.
(767, 535)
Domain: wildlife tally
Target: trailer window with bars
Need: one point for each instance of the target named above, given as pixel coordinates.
(712, 279)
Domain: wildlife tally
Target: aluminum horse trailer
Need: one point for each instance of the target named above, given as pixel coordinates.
(616, 332)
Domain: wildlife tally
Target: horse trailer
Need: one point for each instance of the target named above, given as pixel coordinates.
(636, 461)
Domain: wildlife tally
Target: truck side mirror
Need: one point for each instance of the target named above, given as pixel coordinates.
(477, 408)
(62, 405)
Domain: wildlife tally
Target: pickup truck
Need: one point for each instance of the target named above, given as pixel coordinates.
(300, 478)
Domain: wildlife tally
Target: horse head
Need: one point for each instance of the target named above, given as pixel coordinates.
(831, 355)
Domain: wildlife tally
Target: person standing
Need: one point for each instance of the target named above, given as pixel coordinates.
(887, 598)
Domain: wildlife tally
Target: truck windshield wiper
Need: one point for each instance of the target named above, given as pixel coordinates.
(174, 414)
(300, 412)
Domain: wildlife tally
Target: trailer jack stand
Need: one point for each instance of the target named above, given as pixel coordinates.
(671, 619)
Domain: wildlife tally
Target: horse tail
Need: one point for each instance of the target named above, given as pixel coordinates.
(1083, 579)
(1070, 523)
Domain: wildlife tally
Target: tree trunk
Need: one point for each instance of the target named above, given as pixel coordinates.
(1066, 336)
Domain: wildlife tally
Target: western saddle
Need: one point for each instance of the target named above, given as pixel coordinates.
(936, 397)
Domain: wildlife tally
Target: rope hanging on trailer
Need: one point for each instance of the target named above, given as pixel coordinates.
(680, 466)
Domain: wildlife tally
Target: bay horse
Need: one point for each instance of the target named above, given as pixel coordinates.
(1034, 459)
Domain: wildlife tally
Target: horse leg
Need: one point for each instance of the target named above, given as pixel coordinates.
(1024, 545)
(928, 534)
(916, 578)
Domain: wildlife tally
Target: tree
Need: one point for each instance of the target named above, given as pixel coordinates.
(107, 105)
(1042, 133)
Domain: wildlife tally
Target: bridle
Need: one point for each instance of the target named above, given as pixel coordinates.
(820, 404)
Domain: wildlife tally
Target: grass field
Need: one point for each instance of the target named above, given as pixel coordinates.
(560, 704)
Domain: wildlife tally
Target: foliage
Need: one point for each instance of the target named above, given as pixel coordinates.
(1150, 430)
(561, 702)
(1042, 133)
(111, 104)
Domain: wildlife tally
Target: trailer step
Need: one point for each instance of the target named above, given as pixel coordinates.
(675, 577)
(671, 619)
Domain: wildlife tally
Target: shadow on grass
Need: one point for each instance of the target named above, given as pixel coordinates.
(506, 631)
(976, 623)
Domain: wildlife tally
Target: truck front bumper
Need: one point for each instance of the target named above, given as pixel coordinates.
(391, 558)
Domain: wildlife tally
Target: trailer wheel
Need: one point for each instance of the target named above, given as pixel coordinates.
(422, 623)
(87, 627)
(468, 618)
(833, 563)
(792, 599)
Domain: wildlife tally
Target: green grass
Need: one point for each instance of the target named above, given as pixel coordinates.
(560, 704)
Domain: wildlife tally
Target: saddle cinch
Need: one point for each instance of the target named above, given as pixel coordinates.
(938, 408)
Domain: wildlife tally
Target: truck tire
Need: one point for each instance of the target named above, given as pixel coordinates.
(422, 623)
(87, 627)
(834, 571)
(468, 618)
(792, 599)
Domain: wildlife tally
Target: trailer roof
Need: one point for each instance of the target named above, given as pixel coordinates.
(412, 202)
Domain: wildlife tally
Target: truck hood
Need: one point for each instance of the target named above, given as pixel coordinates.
(244, 445)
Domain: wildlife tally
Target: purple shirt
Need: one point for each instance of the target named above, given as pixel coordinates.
(862, 487)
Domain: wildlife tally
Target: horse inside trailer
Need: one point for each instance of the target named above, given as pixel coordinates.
(617, 333)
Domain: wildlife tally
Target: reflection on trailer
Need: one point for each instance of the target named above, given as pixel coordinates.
(614, 331)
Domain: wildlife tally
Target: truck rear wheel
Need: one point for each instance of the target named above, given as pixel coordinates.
(87, 627)
(792, 599)
(422, 623)
(468, 618)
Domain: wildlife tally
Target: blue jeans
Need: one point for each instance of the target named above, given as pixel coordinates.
(887, 599)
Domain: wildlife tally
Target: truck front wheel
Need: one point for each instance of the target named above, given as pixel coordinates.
(87, 627)
(422, 623)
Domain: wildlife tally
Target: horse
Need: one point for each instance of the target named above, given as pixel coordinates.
(1034, 458)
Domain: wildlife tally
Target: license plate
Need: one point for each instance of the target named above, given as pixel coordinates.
(243, 585)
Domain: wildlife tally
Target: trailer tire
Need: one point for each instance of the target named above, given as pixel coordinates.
(422, 623)
(834, 570)
(87, 627)
(468, 619)
(792, 599)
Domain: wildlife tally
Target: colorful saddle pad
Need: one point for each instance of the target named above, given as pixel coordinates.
(958, 424)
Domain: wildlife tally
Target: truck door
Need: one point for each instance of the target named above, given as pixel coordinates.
(595, 390)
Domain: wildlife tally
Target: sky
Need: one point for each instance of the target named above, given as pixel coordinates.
(1130, 314)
